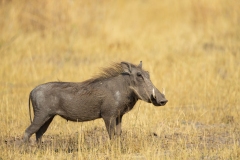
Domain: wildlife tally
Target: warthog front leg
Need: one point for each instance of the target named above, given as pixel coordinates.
(110, 124)
(119, 125)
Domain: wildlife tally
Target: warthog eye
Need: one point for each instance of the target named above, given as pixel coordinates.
(139, 74)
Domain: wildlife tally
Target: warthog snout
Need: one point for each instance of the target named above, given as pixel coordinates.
(158, 99)
(163, 102)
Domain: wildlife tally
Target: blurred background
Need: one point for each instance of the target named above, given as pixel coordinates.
(190, 47)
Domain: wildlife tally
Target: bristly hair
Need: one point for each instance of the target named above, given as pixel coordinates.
(114, 70)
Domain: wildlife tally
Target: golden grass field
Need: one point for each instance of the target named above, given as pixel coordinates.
(191, 48)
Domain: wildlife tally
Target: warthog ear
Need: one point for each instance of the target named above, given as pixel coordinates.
(140, 65)
(126, 67)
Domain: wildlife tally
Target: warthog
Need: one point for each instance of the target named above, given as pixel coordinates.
(109, 96)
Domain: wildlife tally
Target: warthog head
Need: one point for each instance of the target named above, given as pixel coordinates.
(142, 86)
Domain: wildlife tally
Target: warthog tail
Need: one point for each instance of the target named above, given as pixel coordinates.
(29, 107)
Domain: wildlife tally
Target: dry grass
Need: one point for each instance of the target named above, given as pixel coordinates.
(190, 47)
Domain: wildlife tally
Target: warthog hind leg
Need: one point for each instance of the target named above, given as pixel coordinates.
(43, 129)
(38, 122)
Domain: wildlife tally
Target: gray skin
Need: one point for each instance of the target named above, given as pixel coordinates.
(108, 96)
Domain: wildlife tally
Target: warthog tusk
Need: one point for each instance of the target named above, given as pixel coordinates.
(163, 91)
(154, 95)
